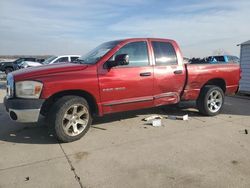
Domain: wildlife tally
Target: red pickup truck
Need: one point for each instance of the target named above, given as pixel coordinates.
(114, 77)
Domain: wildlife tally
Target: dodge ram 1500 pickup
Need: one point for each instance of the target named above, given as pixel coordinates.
(116, 76)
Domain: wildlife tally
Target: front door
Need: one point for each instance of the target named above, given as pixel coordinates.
(128, 87)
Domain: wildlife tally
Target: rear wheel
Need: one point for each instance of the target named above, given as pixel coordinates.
(211, 100)
(71, 118)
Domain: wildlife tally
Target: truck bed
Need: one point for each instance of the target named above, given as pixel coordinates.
(199, 75)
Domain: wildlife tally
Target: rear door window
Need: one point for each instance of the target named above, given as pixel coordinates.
(164, 53)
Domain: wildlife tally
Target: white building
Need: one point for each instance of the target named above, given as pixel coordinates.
(245, 67)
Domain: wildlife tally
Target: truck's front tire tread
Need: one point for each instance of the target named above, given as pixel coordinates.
(57, 112)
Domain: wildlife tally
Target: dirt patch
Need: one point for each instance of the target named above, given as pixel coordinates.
(80, 155)
(235, 162)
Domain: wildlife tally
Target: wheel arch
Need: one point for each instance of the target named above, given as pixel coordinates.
(81, 93)
(202, 101)
(219, 82)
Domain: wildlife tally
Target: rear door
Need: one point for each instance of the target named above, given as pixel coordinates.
(169, 72)
(128, 87)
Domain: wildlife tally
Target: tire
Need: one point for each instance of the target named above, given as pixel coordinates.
(70, 118)
(8, 70)
(211, 100)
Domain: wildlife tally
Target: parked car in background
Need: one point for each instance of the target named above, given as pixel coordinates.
(60, 59)
(14, 65)
(51, 60)
(27, 64)
(116, 76)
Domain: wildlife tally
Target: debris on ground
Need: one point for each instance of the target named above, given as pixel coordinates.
(245, 131)
(184, 118)
(100, 128)
(27, 178)
(154, 120)
(172, 117)
(150, 118)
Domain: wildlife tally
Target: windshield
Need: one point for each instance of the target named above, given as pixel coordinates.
(94, 55)
(48, 60)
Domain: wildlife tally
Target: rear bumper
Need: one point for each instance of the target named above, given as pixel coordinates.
(23, 110)
(231, 90)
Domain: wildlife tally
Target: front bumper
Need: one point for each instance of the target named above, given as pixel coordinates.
(23, 110)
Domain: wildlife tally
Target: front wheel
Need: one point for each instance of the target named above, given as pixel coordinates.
(71, 118)
(210, 101)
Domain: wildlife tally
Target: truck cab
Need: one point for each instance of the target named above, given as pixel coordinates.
(145, 80)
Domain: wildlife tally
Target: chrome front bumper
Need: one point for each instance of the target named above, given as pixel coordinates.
(24, 116)
(23, 110)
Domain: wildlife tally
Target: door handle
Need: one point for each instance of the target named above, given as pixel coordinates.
(145, 74)
(178, 72)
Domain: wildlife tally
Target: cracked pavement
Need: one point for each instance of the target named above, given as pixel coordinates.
(120, 150)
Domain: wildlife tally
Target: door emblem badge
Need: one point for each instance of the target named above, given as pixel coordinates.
(113, 89)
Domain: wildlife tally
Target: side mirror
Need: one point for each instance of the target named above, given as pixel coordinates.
(122, 59)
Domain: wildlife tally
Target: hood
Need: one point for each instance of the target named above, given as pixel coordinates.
(45, 70)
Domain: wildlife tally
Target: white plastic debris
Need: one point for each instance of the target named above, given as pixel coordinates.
(184, 118)
(156, 122)
(150, 118)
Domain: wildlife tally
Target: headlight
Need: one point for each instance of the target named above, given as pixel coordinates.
(29, 89)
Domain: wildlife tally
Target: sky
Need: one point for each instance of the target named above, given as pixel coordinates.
(56, 27)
